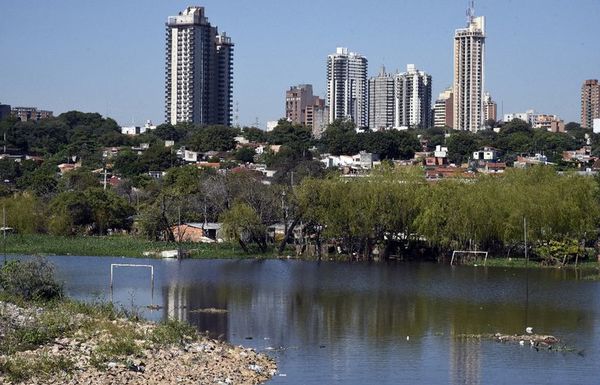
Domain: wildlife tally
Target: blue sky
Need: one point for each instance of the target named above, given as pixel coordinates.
(108, 56)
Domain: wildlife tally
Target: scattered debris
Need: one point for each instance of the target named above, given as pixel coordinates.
(210, 310)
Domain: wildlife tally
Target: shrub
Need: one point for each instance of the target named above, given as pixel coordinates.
(30, 280)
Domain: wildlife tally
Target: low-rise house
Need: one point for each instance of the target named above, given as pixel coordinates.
(66, 167)
(487, 154)
(190, 156)
(583, 155)
(213, 165)
(443, 172)
(110, 152)
(198, 232)
(527, 161)
(492, 167)
(241, 140)
(14, 157)
(156, 174)
(261, 148)
(362, 160)
(137, 130)
(440, 151)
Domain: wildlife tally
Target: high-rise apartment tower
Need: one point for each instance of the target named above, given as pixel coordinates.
(381, 101)
(199, 70)
(297, 99)
(347, 87)
(590, 103)
(490, 108)
(413, 99)
(443, 116)
(469, 73)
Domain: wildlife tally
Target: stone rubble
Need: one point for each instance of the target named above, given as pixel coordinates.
(203, 361)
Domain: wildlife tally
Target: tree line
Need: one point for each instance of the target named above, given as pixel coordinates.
(396, 212)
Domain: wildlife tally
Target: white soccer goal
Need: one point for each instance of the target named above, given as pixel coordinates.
(112, 268)
(455, 252)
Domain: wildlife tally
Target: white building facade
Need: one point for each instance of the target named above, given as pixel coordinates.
(442, 110)
(199, 70)
(469, 74)
(347, 87)
(381, 101)
(412, 98)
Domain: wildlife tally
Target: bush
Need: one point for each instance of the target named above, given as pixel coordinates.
(30, 280)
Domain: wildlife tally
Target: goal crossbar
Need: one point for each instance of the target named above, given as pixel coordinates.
(485, 253)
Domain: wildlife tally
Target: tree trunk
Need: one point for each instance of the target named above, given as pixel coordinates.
(288, 235)
(243, 245)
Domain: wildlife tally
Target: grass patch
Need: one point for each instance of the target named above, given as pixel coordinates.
(118, 246)
(21, 369)
(522, 263)
(173, 332)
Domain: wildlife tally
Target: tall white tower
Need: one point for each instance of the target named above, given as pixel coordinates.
(413, 99)
(347, 87)
(469, 73)
(199, 70)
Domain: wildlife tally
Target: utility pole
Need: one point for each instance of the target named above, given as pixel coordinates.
(104, 179)
(4, 230)
(526, 273)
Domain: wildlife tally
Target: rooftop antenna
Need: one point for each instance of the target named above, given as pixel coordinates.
(471, 11)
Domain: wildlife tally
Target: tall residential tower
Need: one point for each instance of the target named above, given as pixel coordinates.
(442, 111)
(199, 70)
(590, 103)
(413, 99)
(381, 101)
(469, 68)
(347, 87)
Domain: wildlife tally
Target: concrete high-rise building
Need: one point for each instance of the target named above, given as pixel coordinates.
(317, 118)
(297, 99)
(412, 98)
(347, 87)
(199, 70)
(443, 115)
(490, 109)
(590, 103)
(4, 111)
(315, 107)
(381, 101)
(469, 77)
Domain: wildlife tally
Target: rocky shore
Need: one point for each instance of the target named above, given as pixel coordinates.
(99, 350)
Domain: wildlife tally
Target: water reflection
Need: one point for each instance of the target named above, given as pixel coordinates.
(465, 361)
(347, 322)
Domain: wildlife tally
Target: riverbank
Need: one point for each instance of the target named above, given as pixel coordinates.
(119, 246)
(524, 263)
(64, 342)
(135, 247)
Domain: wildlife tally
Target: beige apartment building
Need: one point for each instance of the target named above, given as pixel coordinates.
(590, 103)
(443, 111)
(469, 56)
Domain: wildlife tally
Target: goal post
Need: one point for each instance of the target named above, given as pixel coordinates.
(455, 252)
(129, 265)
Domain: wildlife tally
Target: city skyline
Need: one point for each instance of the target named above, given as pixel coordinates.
(78, 65)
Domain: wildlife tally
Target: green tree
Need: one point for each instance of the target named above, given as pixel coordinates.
(213, 138)
(245, 155)
(241, 223)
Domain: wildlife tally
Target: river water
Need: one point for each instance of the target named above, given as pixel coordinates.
(358, 323)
